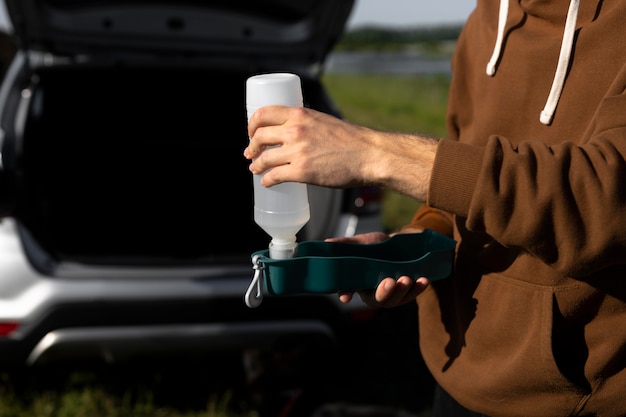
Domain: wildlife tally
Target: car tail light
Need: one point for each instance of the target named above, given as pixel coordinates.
(7, 328)
(365, 200)
(367, 314)
(364, 208)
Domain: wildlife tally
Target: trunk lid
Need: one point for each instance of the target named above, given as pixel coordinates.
(290, 33)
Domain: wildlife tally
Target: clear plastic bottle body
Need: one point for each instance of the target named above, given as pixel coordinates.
(283, 209)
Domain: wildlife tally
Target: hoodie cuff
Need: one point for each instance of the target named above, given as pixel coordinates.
(433, 219)
(454, 176)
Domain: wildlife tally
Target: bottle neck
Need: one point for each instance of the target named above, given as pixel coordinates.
(283, 248)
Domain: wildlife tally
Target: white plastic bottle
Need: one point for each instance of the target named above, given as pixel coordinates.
(283, 209)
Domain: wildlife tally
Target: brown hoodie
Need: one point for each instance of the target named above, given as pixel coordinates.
(533, 320)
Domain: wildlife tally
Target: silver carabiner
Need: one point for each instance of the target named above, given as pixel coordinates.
(254, 295)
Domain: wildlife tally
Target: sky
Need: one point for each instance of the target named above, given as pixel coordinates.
(409, 12)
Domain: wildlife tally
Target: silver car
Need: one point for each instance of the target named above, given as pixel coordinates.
(127, 208)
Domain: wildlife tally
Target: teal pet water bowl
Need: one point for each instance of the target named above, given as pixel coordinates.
(329, 267)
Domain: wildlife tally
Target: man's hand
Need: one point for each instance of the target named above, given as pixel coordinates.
(390, 292)
(295, 144)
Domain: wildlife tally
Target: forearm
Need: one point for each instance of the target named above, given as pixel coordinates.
(404, 163)
(317, 148)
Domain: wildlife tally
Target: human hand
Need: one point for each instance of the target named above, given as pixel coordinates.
(296, 144)
(315, 148)
(363, 238)
(389, 292)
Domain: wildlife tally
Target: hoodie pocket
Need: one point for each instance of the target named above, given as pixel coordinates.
(515, 322)
(505, 351)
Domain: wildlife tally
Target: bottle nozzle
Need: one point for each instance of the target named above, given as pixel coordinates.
(282, 249)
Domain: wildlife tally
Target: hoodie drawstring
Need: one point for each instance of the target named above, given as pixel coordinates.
(559, 76)
(564, 55)
(503, 15)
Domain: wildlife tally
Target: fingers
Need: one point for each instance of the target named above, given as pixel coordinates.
(267, 116)
(259, 128)
(392, 293)
(408, 229)
(345, 297)
(363, 238)
(270, 158)
(275, 144)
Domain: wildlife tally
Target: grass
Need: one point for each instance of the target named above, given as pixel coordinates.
(72, 390)
(406, 103)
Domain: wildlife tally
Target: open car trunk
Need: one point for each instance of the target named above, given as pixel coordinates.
(143, 165)
(126, 123)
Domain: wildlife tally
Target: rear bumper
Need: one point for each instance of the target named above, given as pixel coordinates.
(113, 314)
(120, 331)
(122, 343)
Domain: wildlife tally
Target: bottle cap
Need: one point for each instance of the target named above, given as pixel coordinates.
(282, 249)
(276, 88)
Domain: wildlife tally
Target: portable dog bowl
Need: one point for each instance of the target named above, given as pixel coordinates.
(329, 267)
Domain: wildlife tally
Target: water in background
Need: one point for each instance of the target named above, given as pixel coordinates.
(385, 62)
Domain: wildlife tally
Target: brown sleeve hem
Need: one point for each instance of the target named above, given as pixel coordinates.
(430, 218)
(454, 176)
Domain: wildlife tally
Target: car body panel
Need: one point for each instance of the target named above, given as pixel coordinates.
(298, 33)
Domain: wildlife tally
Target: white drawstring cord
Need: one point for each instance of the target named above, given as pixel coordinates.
(502, 17)
(559, 77)
(547, 114)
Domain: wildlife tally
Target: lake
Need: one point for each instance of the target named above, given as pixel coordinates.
(385, 62)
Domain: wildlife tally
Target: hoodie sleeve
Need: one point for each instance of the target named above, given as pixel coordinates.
(565, 204)
(430, 218)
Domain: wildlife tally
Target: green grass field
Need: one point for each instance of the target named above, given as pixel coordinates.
(393, 103)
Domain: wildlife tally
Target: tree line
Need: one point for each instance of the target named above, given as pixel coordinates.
(383, 38)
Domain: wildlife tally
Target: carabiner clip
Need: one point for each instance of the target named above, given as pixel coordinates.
(254, 295)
